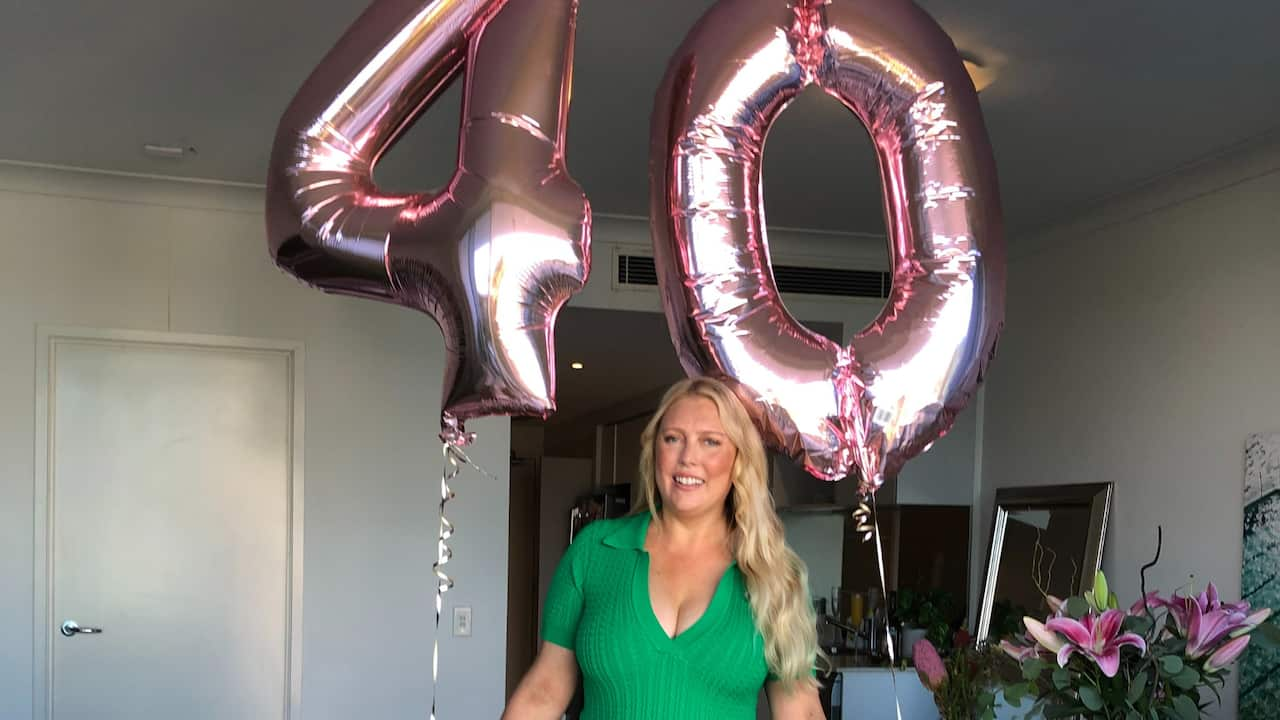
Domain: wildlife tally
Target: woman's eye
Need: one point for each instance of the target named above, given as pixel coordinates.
(669, 439)
(712, 442)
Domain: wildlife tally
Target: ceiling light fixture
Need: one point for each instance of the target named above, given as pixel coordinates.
(576, 365)
(981, 75)
(168, 152)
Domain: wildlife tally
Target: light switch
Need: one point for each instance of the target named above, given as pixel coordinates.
(462, 621)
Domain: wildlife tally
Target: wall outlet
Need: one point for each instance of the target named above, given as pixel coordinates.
(462, 621)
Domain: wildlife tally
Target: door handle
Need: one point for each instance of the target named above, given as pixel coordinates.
(71, 628)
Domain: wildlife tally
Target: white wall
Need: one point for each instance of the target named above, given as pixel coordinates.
(112, 252)
(1142, 347)
(819, 541)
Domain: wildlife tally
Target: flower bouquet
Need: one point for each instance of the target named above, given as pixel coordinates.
(961, 684)
(1092, 659)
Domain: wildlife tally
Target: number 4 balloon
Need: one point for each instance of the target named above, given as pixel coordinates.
(494, 254)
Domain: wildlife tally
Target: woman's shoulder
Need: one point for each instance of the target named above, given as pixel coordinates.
(626, 532)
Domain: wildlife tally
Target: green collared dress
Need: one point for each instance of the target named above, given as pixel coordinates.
(598, 606)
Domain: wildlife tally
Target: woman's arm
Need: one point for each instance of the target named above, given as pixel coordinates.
(545, 691)
(789, 702)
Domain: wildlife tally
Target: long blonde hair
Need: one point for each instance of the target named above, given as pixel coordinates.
(777, 580)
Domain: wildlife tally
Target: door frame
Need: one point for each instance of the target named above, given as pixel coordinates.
(48, 339)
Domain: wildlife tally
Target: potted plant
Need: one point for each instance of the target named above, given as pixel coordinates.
(932, 614)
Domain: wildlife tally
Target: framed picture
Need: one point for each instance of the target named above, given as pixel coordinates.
(1044, 540)
(1259, 683)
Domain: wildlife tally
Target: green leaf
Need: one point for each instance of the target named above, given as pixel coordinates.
(1062, 711)
(1061, 679)
(1267, 635)
(1137, 688)
(988, 714)
(1186, 679)
(1091, 698)
(1015, 694)
(1171, 665)
(1140, 624)
(1186, 708)
(1133, 715)
(1032, 668)
(1113, 602)
(1077, 608)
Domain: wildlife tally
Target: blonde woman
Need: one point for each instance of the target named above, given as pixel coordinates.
(686, 608)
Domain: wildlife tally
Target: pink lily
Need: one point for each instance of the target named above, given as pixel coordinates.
(1057, 605)
(1207, 601)
(1227, 654)
(1152, 600)
(1099, 638)
(1252, 622)
(1206, 629)
(1019, 652)
(1048, 639)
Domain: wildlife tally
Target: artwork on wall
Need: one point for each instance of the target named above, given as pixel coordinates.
(1043, 539)
(1259, 681)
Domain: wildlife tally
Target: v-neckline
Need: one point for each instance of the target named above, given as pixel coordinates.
(643, 601)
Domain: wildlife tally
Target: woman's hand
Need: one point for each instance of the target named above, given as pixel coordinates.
(794, 701)
(545, 691)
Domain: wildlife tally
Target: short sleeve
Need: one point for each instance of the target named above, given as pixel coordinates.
(565, 597)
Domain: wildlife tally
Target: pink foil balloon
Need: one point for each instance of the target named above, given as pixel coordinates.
(492, 256)
(898, 387)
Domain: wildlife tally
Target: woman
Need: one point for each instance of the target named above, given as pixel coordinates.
(688, 607)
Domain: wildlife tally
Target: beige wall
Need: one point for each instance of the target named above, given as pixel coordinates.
(114, 252)
(1142, 347)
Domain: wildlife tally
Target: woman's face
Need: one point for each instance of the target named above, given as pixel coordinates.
(694, 458)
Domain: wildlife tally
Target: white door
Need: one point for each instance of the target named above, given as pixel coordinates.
(170, 523)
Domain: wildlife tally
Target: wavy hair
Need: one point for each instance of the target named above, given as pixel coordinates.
(777, 580)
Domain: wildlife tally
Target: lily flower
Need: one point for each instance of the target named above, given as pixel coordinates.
(1151, 600)
(1098, 638)
(1207, 601)
(1206, 629)
(1048, 639)
(1227, 654)
(1019, 652)
(1057, 605)
(1252, 622)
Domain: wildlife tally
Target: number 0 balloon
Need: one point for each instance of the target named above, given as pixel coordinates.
(896, 389)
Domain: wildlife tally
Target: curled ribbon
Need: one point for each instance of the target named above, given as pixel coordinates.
(444, 583)
(453, 438)
(868, 523)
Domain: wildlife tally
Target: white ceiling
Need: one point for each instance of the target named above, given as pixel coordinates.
(1092, 97)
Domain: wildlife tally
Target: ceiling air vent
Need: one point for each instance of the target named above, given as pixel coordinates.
(840, 282)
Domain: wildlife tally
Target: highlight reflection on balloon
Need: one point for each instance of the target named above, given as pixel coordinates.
(493, 255)
(898, 387)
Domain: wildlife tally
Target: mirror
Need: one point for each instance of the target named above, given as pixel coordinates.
(1043, 540)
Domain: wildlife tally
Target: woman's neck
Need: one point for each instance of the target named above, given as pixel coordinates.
(682, 532)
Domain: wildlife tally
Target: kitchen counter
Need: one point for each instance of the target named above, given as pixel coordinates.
(869, 692)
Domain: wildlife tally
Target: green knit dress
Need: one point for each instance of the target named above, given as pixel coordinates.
(598, 606)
